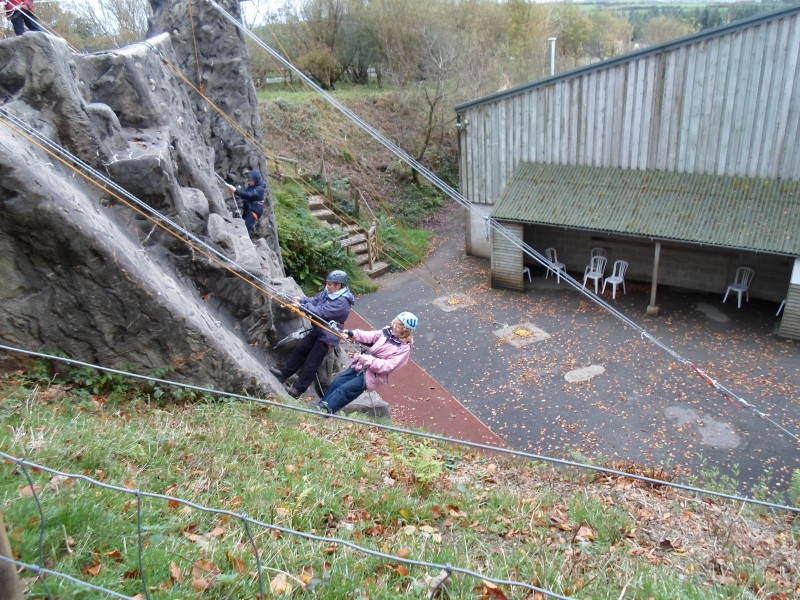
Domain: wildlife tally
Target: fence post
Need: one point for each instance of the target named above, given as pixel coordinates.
(10, 588)
(372, 244)
(355, 196)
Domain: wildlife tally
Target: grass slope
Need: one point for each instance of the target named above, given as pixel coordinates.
(573, 533)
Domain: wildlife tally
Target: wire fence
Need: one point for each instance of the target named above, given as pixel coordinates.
(25, 466)
(493, 224)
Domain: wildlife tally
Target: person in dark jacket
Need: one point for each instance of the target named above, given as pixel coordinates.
(389, 350)
(332, 304)
(20, 13)
(253, 197)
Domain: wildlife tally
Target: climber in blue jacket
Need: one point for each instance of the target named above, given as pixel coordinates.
(253, 196)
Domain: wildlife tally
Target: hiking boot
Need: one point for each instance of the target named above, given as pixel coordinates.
(278, 374)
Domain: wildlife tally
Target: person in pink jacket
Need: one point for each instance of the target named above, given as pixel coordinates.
(389, 349)
(20, 13)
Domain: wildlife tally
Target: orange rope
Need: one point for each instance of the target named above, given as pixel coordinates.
(194, 39)
(320, 323)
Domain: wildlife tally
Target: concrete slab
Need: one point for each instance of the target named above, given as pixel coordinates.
(521, 334)
(584, 374)
(453, 302)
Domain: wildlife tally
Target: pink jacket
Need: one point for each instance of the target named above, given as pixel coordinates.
(12, 5)
(386, 354)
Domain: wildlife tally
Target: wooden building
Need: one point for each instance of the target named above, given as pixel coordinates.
(716, 114)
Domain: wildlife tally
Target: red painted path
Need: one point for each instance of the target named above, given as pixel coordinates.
(419, 402)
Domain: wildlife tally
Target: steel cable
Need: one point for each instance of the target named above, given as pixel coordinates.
(463, 201)
(280, 528)
(431, 436)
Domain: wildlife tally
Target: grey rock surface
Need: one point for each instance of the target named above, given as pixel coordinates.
(369, 403)
(221, 71)
(88, 275)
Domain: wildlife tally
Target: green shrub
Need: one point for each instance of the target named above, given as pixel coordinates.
(309, 250)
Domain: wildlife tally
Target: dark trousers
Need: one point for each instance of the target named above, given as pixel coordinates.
(348, 386)
(251, 213)
(305, 359)
(20, 19)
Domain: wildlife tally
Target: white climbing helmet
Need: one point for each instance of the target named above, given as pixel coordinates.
(408, 319)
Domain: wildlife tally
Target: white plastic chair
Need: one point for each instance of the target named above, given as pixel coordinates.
(740, 285)
(617, 277)
(597, 252)
(554, 266)
(595, 270)
(526, 271)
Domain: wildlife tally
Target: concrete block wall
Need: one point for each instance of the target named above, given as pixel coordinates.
(687, 266)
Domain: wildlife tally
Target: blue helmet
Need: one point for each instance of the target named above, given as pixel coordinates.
(337, 277)
(409, 320)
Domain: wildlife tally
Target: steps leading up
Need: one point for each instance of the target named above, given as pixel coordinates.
(354, 238)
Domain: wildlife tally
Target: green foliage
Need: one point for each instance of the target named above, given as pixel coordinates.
(383, 491)
(85, 382)
(794, 488)
(608, 524)
(402, 248)
(415, 203)
(309, 250)
(424, 463)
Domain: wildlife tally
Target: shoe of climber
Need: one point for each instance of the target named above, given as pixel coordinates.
(292, 391)
(278, 374)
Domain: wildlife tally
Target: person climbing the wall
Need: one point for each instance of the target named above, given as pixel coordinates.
(20, 13)
(333, 303)
(389, 349)
(253, 196)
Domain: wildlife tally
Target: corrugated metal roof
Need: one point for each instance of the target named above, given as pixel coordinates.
(684, 41)
(733, 212)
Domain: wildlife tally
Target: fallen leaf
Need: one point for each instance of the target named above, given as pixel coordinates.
(92, 569)
(280, 585)
(175, 573)
(200, 584)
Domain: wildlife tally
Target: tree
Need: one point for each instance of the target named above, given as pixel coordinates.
(115, 22)
(663, 29)
(610, 35)
(573, 29)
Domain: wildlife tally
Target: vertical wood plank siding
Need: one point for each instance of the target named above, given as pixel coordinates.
(726, 104)
(507, 261)
(790, 323)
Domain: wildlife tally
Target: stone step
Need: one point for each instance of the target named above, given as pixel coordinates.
(378, 269)
(358, 249)
(354, 240)
(325, 215)
(316, 202)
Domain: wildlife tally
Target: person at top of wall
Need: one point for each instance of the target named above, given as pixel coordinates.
(389, 349)
(20, 13)
(253, 196)
(333, 303)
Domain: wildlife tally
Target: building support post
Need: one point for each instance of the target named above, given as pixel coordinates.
(652, 309)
